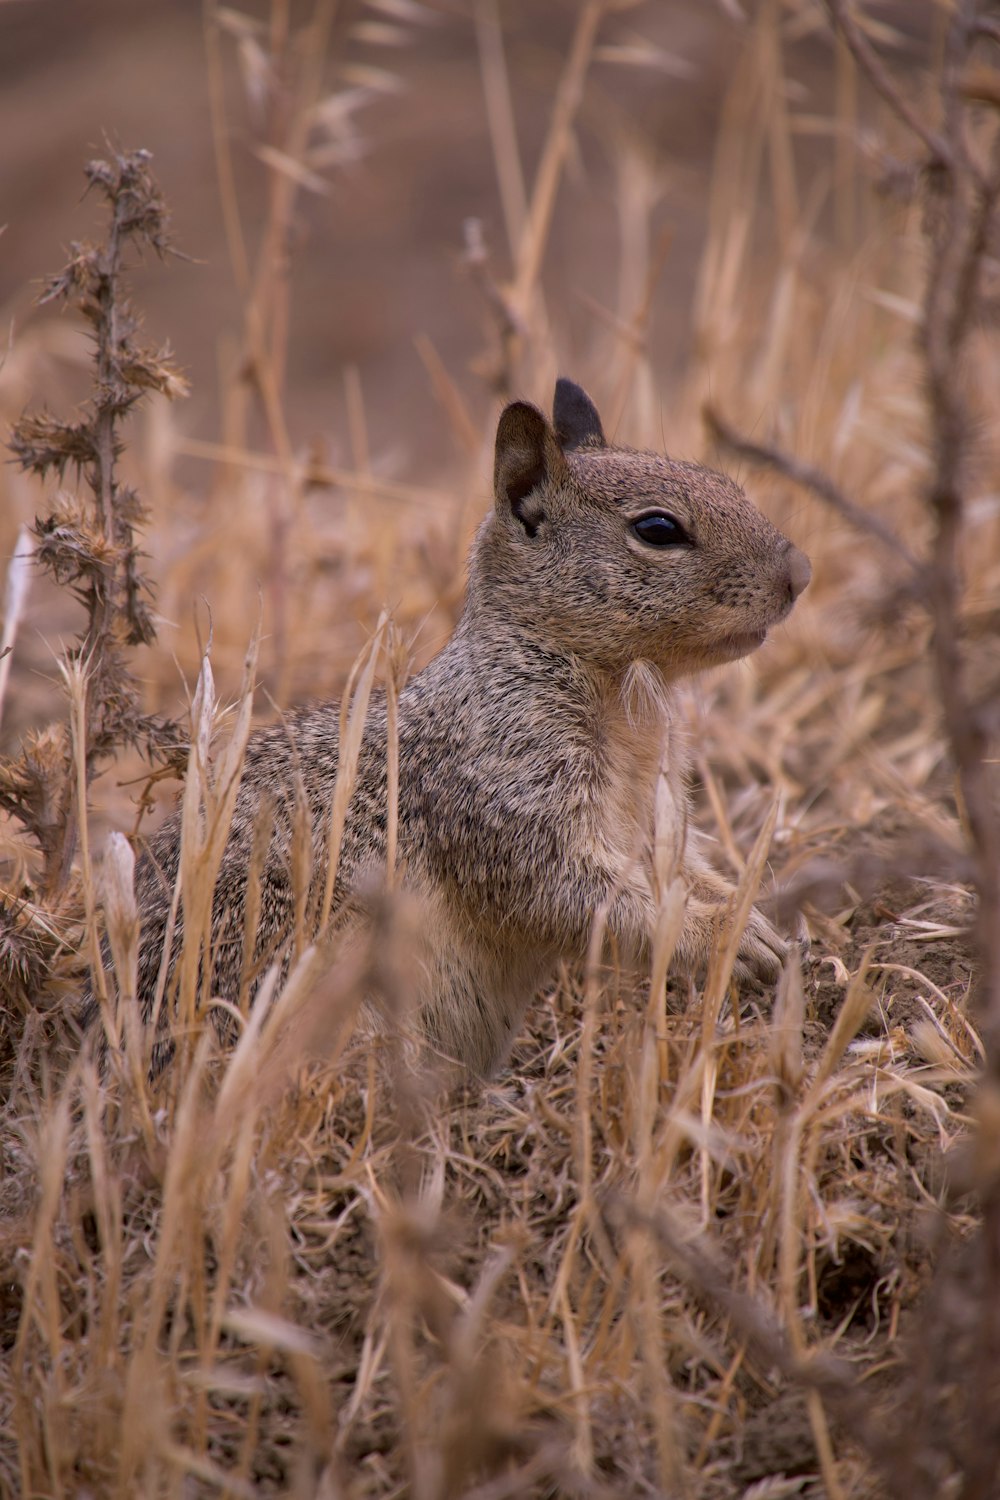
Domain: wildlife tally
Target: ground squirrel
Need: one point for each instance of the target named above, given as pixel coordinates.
(530, 747)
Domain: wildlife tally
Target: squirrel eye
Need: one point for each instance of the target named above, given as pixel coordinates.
(660, 530)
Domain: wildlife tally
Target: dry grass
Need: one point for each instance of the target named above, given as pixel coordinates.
(678, 1247)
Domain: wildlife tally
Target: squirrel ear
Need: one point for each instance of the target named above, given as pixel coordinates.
(528, 457)
(575, 416)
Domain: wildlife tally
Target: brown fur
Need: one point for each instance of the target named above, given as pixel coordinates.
(530, 747)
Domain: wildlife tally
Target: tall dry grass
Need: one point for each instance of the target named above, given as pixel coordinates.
(685, 1245)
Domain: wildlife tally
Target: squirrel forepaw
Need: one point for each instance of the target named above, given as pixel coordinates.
(761, 952)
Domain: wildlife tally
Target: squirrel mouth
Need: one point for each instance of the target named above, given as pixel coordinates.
(742, 642)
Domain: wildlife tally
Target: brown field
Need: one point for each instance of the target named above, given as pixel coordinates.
(692, 1242)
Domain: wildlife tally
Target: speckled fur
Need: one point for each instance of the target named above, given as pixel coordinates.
(530, 747)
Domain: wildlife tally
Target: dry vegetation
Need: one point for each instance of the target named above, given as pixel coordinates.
(692, 1242)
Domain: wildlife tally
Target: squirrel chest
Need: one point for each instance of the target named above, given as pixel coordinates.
(627, 757)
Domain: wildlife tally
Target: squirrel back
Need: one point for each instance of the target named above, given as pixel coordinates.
(529, 748)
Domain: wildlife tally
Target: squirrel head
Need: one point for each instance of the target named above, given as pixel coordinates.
(618, 555)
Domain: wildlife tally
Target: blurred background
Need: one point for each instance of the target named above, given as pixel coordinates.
(400, 157)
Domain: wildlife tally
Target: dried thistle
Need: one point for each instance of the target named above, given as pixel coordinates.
(87, 539)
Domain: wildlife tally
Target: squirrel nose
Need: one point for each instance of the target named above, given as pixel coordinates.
(799, 571)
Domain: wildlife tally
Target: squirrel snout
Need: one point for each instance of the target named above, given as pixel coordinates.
(798, 572)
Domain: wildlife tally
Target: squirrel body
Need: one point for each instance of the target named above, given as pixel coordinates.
(530, 748)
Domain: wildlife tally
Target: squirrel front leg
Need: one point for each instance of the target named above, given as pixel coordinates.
(630, 918)
(762, 949)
